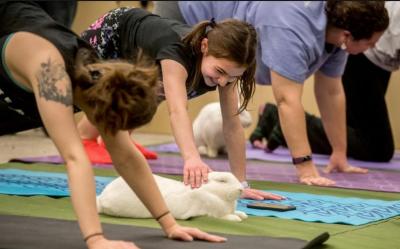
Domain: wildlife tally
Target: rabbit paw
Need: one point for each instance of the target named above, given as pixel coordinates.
(212, 152)
(241, 214)
(202, 150)
(232, 217)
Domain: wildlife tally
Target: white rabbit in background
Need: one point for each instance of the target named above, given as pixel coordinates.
(207, 129)
(217, 198)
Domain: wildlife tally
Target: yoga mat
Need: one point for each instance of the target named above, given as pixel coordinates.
(282, 155)
(56, 159)
(170, 164)
(327, 209)
(383, 234)
(374, 180)
(35, 233)
(24, 182)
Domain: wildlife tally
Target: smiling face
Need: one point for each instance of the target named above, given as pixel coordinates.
(218, 71)
(359, 46)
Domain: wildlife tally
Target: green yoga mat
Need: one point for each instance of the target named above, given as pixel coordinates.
(372, 236)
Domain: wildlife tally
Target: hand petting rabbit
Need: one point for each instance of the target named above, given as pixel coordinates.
(217, 198)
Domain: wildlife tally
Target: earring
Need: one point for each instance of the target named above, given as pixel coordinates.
(343, 46)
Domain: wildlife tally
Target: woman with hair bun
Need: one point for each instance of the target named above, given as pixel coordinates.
(47, 72)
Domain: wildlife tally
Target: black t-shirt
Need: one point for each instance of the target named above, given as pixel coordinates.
(120, 32)
(30, 17)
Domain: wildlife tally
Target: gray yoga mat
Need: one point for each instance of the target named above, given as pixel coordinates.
(23, 232)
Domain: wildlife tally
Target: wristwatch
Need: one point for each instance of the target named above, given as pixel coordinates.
(245, 184)
(299, 160)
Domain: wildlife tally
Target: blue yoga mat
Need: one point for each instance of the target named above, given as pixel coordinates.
(25, 182)
(328, 209)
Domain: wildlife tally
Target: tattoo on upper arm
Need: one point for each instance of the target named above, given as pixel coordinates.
(48, 76)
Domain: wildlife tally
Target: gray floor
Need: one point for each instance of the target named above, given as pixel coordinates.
(35, 143)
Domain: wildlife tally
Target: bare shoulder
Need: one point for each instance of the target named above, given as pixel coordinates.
(25, 51)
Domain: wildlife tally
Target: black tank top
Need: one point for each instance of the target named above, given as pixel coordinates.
(30, 17)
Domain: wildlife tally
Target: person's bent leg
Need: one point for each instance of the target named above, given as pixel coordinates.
(365, 86)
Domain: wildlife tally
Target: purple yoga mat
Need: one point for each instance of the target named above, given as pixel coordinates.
(386, 181)
(282, 155)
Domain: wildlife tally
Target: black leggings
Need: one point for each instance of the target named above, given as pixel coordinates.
(369, 134)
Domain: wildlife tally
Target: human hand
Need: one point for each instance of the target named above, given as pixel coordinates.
(195, 172)
(308, 174)
(178, 232)
(338, 163)
(255, 194)
(99, 242)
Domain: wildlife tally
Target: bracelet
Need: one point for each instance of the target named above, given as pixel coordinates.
(91, 235)
(299, 160)
(245, 184)
(161, 216)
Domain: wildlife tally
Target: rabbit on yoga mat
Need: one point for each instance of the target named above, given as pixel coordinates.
(217, 198)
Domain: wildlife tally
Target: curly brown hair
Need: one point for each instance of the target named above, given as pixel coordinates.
(122, 94)
(230, 39)
(361, 18)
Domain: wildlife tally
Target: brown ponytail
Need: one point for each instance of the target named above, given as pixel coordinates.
(230, 39)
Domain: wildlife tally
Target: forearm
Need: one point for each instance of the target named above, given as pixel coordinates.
(334, 121)
(183, 133)
(83, 196)
(236, 148)
(292, 120)
(136, 172)
(332, 105)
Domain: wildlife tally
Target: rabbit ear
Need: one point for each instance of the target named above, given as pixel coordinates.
(220, 177)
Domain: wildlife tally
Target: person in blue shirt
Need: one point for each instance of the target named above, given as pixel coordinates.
(365, 82)
(298, 39)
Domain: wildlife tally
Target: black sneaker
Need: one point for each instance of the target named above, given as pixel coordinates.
(275, 139)
(266, 122)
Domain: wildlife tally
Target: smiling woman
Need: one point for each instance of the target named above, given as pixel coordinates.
(193, 61)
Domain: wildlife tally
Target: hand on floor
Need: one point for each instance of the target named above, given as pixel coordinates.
(338, 163)
(178, 232)
(103, 243)
(308, 174)
(255, 194)
(317, 180)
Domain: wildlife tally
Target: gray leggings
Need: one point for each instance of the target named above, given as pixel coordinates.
(168, 9)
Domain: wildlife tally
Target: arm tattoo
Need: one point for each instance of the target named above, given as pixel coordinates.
(48, 75)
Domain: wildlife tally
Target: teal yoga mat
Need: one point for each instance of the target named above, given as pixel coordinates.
(312, 208)
(25, 182)
(328, 209)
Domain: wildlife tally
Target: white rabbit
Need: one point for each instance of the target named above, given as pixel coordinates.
(217, 198)
(207, 129)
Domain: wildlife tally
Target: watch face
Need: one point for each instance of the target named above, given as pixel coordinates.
(298, 160)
